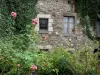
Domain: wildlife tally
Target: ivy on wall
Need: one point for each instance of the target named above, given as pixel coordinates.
(90, 9)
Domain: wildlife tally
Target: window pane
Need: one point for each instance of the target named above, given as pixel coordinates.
(65, 19)
(43, 23)
(68, 25)
(71, 19)
(65, 27)
(71, 26)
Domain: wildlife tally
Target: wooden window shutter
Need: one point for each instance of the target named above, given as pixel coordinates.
(98, 27)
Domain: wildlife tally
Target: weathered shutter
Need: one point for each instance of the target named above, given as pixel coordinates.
(98, 27)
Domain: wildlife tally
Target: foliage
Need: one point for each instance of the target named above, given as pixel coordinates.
(89, 12)
(54, 63)
(17, 37)
(20, 49)
(57, 63)
(60, 62)
(25, 12)
(90, 9)
(84, 60)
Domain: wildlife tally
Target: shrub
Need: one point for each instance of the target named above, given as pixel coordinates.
(57, 63)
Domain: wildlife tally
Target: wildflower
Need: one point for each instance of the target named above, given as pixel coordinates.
(18, 65)
(13, 14)
(33, 67)
(34, 21)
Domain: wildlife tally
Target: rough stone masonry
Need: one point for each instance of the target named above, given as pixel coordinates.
(55, 11)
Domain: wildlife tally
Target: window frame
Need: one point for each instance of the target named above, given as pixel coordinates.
(68, 33)
(50, 24)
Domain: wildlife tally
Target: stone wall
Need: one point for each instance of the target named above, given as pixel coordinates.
(57, 9)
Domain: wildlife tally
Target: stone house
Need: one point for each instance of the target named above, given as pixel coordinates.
(58, 21)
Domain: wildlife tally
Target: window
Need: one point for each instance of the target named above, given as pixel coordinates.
(69, 25)
(98, 27)
(43, 23)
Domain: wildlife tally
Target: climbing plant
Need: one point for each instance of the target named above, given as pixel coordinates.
(25, 11)
(89, 11)
(17, 36)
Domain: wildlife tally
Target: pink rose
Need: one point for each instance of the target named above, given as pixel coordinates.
(13, 14)
(45, 37)
(34, 21)
(33, 67)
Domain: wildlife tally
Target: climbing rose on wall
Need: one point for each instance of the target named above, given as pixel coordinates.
(33, 67)
(34, 21)
(44, 37)
(13, 14)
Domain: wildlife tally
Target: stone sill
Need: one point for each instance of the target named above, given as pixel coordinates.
(49, 47)
(69, 35)
(43, 31)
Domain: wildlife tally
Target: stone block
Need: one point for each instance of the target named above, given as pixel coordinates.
(50, 20)
(50, 28)
(50, 24)
(43, 16)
